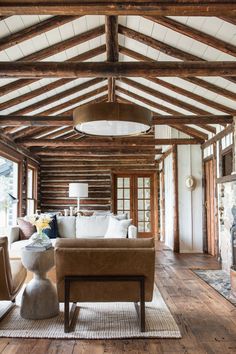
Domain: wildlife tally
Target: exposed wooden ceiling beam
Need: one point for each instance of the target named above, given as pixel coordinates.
(58, 121)
(231, 20)
(59, 96)
(52, 86)
(161, 46)
(194, 34)
(169, 99)
(164, 96)
(105, 69)
(14, 120)
(49, 51)
(118, 143)
(183, 128)
(122, 7)
(34, 30)
(216, 119)
(96, 152)
(156, 44)
(75, 100)
(112, 47)
(37, 130)
(209, 86)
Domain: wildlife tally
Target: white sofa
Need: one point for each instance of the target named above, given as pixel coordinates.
(69, 227)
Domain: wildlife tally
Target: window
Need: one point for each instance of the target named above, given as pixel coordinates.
(31, 190)
(227, 163)
(8, 194)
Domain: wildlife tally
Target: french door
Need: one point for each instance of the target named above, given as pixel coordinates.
(134, 194)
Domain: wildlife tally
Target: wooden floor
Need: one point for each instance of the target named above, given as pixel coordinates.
(207, 321)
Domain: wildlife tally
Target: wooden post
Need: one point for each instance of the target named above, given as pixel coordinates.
(176, 199)
(234, 144)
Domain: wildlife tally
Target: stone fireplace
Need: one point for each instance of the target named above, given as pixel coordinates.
(227, 199)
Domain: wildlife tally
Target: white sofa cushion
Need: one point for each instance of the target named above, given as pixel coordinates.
(91, 226)
(66, 226)
(117, 228)
(15, 249)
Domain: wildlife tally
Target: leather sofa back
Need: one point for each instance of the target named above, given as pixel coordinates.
(105, 257)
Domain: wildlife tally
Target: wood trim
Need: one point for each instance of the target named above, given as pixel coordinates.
(218, 136)
(226, 179)
(176, 247)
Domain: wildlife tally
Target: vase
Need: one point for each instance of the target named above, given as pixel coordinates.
(40, 237)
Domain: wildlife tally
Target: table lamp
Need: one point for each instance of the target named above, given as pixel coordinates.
(78, 190)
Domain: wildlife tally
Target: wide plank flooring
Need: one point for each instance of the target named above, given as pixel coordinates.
(207, 321)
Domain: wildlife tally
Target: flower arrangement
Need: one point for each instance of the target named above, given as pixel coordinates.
(41, 222)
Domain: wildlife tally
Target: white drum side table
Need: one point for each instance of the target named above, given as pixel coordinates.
(39, 299)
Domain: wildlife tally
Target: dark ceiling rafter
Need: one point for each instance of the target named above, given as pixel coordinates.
(94, 100)
(41, 90)
(211, 87)
(122, 7)
(60, 107)
(161, 46)
(194, 133)
(59, 96)
(35, 30)
(165, 97)
(50, 51)
(194, 34)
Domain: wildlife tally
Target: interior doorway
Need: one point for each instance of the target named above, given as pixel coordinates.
(210, 207)
(136, 195)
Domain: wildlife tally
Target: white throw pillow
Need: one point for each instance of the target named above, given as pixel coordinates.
(66, 226)
(117, 228)
(91, 226)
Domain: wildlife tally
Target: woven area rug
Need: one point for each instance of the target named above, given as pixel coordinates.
(219, 280)
(96, 321)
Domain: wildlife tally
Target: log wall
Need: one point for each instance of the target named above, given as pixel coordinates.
(57, 173)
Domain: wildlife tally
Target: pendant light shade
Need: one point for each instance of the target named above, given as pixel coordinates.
(112, 119)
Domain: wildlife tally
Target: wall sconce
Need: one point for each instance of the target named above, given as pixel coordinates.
(190, 183)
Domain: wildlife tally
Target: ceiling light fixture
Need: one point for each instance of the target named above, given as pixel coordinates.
(112, 119)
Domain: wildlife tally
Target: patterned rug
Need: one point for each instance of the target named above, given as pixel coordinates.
(219, 280)
(96, 321)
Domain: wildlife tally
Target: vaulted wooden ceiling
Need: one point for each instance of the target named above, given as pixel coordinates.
(181, 67)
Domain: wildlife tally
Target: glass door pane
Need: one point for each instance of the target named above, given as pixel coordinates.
(123, 195)
(144, 204)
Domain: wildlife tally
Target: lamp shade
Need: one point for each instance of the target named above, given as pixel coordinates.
(112, 119)
(78, 190)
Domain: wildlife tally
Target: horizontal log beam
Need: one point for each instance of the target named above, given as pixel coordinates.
(88, 154)
(35, 121)
(89, 142)
(122, 7)
(190, 119)
(115, 143)
(107, 69)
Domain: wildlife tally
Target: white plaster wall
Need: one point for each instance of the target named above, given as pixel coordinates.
(169, 202)
(190, 202)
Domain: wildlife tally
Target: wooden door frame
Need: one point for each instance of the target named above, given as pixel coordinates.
(162, 201)
(154, 200)
(212, 158)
